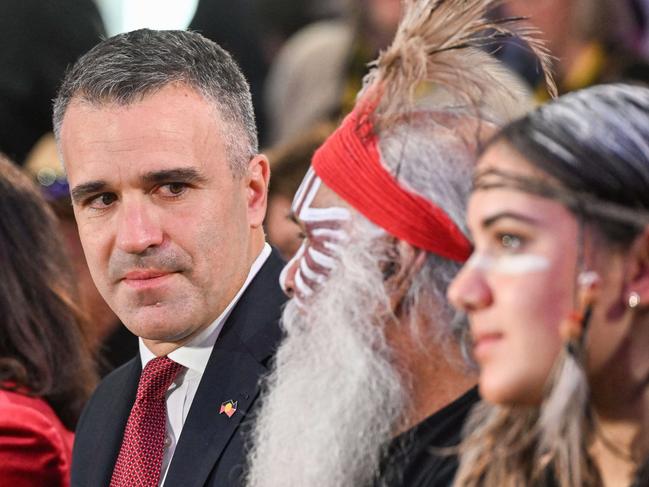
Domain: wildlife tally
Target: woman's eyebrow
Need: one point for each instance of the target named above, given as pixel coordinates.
(490, 221)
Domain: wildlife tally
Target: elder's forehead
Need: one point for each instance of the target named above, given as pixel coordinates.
(326, 198)
(314, 193)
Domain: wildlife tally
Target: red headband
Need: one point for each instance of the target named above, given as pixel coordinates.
(349, 163)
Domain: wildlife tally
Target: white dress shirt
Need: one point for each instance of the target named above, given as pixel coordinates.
(193, 356)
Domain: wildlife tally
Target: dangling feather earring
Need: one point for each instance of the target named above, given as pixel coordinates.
(563, 412)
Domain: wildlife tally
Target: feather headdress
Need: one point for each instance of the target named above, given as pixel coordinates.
(442, 43)
(438, 47)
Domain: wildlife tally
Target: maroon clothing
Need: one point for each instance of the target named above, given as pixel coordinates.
(35, 447)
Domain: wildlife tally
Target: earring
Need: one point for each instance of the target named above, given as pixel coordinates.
(573, 326)
(634, 300)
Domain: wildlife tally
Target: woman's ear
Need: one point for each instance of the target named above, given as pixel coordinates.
(410, 260)
(637, 281)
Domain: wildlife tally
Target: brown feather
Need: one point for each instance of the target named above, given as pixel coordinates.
(440, 42)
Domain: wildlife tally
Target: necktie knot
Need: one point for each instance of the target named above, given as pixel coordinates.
(157, 376)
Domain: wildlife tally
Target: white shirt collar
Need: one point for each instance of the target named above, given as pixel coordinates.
(195, 353)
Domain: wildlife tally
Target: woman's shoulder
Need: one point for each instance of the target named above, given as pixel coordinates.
(34, 444)
(32, 413)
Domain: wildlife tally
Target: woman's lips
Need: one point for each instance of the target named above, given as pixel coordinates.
(483, 343)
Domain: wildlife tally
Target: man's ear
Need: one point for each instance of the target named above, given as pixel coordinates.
(257, 179)
(410, 261)
(637, 277)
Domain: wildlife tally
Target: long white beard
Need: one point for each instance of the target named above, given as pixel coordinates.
(333, 399)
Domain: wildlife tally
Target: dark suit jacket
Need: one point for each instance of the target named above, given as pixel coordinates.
(35, 447)
(210, 450)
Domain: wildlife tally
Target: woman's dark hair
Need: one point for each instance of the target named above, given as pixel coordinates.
(42, 350)
(595, 144)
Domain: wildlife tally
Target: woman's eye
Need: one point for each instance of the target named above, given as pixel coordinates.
(509, 241)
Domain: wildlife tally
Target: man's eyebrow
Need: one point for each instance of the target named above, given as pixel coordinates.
(488, 222)
(180, 174)
(82, 191)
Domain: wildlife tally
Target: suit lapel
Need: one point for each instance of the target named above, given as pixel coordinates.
(107, 444)
(233, 372)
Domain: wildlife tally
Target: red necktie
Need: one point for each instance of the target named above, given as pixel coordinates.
(140, 456)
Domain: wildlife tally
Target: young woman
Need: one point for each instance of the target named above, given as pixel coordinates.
(46, 373)
(557, 295)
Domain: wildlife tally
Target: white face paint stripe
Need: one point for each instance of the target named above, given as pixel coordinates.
(333, 247)
(321, 259)
(324, 214)
(310, 273)
(308, 199)
(306, 192)
(283, 276)
(299, 194)
(331, 233)
(316, 257)
(509, 264)
(301, 285)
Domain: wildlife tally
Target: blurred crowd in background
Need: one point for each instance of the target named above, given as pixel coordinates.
(305, 61)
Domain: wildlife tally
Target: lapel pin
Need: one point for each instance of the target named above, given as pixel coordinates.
(229, 408)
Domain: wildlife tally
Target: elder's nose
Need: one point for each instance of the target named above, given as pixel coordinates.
(287, 277)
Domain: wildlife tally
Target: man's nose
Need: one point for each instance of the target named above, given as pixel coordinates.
(138, 227)
(469, 291)
(287, 277)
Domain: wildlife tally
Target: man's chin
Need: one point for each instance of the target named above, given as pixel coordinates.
(158, 323)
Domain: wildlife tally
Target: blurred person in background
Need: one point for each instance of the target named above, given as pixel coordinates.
(319, 70)
(594, 41)
(39, 39)
(46, 373)
(369, 379)
(253, 31)
(289, 163)
(557, 294)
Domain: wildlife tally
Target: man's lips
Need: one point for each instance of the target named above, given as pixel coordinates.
(142, 279)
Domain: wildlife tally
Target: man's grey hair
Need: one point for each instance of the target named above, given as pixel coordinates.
(125, 68)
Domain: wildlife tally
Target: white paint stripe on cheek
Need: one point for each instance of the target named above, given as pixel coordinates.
(310, 273)
(301, 285)
(329, 233)
(334, 247)
(283, 276)
(322, 259)
(509, 264)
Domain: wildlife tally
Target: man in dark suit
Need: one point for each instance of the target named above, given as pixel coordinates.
(158, 138)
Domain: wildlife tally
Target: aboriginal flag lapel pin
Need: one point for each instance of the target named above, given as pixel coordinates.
(228, 408)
